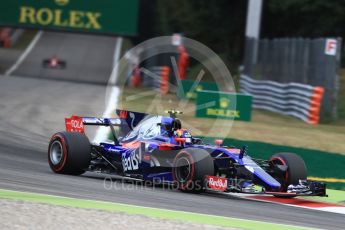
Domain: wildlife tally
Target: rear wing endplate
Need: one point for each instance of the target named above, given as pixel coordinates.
(77, 124)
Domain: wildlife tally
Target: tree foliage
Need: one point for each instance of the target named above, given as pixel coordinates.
(304, 18)
(220, 24)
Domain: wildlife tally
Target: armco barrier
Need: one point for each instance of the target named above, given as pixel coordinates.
(295, 99)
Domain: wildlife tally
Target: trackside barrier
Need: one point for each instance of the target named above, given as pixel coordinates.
(164, 86)
(294, 99)
(15, 35)
(136, 78)
(5, 39)
(159, 80)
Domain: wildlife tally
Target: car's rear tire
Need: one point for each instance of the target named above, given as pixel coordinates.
(69, 153)
(190, 167)
(296, 169)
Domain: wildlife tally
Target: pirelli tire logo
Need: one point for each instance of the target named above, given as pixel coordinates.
(60, 17)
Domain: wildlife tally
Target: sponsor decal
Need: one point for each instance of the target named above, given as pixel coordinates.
(131, 145)
(223, 112)
(123, 114)
(223, 105)
(74, 124)
(217, 183)
(101, 16)
(224, 102)
(60, 17)
(145, 130)
(234, 151)
(131, 162)
(147, 157)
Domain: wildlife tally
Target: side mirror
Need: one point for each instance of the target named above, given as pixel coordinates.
(218, 142)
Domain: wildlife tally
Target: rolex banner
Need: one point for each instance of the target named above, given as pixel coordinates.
(215, 104)
(94, 16)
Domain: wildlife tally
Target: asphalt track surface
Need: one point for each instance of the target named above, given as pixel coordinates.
(31, 110)
(89, 58)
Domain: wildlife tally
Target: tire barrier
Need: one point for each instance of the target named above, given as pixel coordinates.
(158, 78)
(9, 37)
(294, 99)
(5, 37)
(136, 78)
(164, 86)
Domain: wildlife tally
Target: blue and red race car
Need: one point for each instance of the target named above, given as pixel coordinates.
(158, 149)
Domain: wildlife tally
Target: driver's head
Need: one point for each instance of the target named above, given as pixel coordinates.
(176, 124)
(183, 133)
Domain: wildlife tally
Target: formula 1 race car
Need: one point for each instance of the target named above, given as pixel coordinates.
(54, 63)
(157, 148)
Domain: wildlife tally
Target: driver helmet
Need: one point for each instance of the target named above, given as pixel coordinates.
(176, 124)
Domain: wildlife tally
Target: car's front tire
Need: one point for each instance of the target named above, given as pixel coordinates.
(296, 169)
(69, 153)
(190, 167)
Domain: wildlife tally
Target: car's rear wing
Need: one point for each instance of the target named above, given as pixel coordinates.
(76, 123)
(127, 121)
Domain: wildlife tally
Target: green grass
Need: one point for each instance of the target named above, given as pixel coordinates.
(219, 221)
(334, 196)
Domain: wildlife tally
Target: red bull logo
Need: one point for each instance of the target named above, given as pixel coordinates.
(217, 183)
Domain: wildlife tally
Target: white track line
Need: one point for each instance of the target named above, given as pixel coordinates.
(117, 53)
(340, 210)
(102, 132)
(24, 54)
